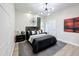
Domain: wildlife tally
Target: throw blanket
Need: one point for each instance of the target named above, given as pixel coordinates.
(32, 37)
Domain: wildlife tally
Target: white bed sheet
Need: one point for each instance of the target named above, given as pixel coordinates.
(35, 36)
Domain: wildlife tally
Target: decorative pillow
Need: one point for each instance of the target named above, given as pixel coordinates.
(33, 32)
(38, 32)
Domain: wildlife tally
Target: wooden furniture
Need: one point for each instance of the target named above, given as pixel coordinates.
(19, 38)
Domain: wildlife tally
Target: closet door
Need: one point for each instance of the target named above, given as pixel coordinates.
(7, 24)
(4, 31)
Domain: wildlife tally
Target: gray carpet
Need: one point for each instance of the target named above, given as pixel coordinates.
(26, 50)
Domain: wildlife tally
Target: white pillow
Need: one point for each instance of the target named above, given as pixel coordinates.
(38, 32)
(33, 32)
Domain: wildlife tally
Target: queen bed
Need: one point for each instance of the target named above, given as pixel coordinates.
(40, 41)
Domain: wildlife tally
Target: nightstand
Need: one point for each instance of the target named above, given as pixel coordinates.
(19, 38)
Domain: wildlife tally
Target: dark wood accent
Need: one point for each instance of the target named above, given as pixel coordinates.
(20, 38)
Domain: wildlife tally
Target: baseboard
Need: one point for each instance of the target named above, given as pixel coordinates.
(12, 49)
(68, 42)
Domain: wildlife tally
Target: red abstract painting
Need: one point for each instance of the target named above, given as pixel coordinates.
(71, 25)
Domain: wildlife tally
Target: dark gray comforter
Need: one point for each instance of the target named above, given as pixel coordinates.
(42, 43)
(44, 37)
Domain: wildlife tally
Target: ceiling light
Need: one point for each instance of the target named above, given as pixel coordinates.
(46, 10)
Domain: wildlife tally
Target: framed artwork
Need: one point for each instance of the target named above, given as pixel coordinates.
(71, 25)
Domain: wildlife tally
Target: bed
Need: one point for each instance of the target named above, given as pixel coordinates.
(40, 41)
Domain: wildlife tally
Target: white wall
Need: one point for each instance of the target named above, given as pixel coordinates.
(59, 17)
(24, 19)
(7, 27)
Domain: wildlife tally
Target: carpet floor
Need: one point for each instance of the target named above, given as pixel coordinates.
(26, 50)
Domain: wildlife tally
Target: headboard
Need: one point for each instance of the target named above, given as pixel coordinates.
(31, 28)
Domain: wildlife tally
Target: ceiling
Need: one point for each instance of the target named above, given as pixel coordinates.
(35, 8)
